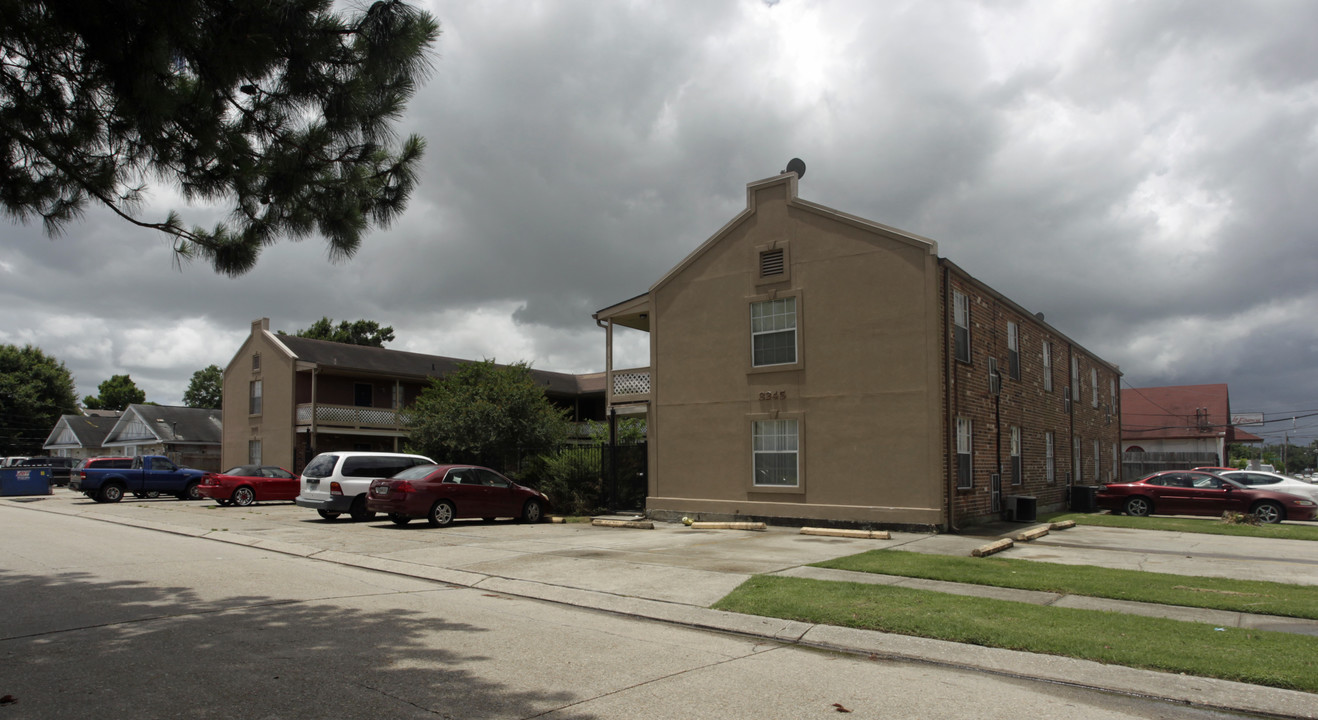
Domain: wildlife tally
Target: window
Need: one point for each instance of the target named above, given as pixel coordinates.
(254, 452)
(1049, 466)
(961, 325)
(1047, 366)
(362, 395)
(1075, 379)
(256, 362)
(1093, 384)
(773, 332)
(775, 448)
(771, 262)
(1116, 461)
(1017, 474)
(254, 398)
(1013, 351)
(1098, 467)
(964, 480)
(1075, 458)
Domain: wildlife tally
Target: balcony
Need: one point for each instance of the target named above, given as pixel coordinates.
(352, 416)
(629, 386)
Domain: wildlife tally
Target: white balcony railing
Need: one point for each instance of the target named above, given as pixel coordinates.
(350, 416)
(630, 385)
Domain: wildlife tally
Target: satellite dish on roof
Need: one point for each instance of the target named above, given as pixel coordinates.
(795, 165)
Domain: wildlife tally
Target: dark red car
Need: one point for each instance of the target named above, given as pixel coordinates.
(1193, 492)
(444, 493)
(246, 484)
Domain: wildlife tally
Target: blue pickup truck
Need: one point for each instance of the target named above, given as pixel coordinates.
(148, 475)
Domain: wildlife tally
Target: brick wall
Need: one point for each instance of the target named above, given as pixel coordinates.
(1023, 403)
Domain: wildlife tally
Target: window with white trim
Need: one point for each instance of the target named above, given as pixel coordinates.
(1098, 466)
(961, 325)
(775, 450)
(773, 332)
(964, 479)
(1075, 459)
(1017, 471)
(1047, 366)
(1075, 379)
(1116, 461)
(253, 452)
(1049, 466)
(1013, 350)
(1093, 384)
(254, 398)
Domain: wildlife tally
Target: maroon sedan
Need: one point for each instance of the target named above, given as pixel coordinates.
(246, 484)
(1192, 492)
(444, 493)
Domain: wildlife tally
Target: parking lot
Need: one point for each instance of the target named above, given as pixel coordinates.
(671, 563)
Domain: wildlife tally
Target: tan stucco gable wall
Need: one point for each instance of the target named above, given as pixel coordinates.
(274, 426)
(865, 388)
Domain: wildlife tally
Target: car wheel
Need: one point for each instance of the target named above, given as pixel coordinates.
(110, 493)
(533, 511)
(327, 515)
(1269, 512)
(441, 514)
(1138, 507)
(153, 494)
(399, 520)
(190, 492)
(358, 511)
(243, 496)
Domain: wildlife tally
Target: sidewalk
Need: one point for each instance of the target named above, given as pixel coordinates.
(672, 574)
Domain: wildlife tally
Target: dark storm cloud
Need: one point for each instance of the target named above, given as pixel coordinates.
(1141, 173)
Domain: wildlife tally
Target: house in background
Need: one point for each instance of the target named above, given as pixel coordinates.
(81, 436)
(808, 365)
(188, 436)
(1190, 421)
(287, 398)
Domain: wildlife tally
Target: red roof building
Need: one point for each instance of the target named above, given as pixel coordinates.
(1179, 418)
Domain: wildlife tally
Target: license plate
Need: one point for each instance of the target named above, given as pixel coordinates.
(380, 489)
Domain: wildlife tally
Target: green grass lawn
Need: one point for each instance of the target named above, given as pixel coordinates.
(1251, 596)
(1264, 658)
(1207, 525)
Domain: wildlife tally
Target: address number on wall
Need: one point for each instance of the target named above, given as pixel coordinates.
(774, 395)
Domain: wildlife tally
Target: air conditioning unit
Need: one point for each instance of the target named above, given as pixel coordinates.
(1022, 508)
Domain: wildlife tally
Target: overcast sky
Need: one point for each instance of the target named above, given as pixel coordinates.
(1144, 173)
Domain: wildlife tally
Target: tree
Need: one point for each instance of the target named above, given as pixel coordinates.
(361, 332)
(116, 393)
(35, 390)
(482, 413)
(281, 110)
(205, 390)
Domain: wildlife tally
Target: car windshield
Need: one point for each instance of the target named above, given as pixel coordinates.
(321, 466)
(416, 472)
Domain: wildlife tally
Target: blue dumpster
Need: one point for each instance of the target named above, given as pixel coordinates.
(24, 481)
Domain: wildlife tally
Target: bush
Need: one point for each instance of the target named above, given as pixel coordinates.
(571, 478)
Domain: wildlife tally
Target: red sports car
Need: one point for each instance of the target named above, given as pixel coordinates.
(246, 484)
(1193, 492)
(444, 493)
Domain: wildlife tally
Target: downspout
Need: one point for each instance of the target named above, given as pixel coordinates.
(949, 450)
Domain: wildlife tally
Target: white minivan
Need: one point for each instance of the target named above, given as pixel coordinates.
(334, 483)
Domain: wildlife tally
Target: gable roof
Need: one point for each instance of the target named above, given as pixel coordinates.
(166, 424)
(789, 180)
(1175, 412)
(400, 363)
(88, 431)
